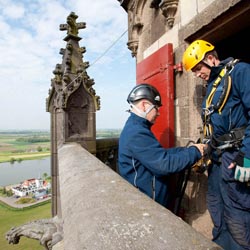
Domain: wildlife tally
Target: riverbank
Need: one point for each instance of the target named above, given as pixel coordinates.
(23, 156)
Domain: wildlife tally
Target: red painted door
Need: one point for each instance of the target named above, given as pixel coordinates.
(158, 70)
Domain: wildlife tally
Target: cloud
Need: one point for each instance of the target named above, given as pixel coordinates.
(13, 11)
(30, 41)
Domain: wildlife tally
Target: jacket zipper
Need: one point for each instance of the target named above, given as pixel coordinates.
(153, 188)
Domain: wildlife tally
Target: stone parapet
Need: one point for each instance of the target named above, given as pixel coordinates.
(100, 210)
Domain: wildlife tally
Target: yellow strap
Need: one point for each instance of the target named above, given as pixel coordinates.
(207, 129)
(215, 85)
(227, 94)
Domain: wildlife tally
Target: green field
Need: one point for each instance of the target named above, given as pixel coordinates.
(24, 145)
(108, 133)
(13, 217)
(31, 144)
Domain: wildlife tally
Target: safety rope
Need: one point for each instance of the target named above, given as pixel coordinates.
(96, 60)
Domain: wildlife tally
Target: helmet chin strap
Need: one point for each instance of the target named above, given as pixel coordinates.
(207, 65)
(141, 113)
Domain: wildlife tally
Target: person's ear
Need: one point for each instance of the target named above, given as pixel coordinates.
(144, 105)
(211, 60)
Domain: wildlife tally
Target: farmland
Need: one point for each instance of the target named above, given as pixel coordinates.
(31, 144)
(24, 145)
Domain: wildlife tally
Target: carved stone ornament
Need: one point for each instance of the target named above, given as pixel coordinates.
(72, 27)
(135, 26)
(71, 73)
(133, 46)
(169, 8)
(47, 231)
(135, 12)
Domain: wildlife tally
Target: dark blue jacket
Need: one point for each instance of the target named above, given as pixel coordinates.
(236, 111)
(145, 163)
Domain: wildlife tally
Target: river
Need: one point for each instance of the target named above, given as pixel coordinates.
(20, 171)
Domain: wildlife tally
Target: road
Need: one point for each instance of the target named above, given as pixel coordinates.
(11, 202)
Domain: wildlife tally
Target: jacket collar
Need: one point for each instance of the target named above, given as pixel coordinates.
(141, 120)
(215, 71)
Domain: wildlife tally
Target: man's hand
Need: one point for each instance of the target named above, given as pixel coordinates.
(201, 147)
(242, 170)
(232, 165)
(203, 163)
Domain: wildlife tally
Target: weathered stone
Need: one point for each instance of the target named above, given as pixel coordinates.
(47, 231)
(101, 210)
(72, 102)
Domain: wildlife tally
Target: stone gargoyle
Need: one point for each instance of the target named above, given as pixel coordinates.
(47, 231)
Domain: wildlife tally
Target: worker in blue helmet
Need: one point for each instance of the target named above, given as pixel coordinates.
(142, 160)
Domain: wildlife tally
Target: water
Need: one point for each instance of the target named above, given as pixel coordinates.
(20, 171)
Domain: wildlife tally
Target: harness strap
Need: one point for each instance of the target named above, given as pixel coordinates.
(233, 139)
(215, 85)
(234, 135)
(226, 90)
(210, 108)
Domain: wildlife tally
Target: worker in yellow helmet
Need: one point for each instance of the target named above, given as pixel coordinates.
(195, 54)
(226, 122)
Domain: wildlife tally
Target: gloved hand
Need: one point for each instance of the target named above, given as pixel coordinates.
(242, 170)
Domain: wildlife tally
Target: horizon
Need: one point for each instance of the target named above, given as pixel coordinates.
(30, 130)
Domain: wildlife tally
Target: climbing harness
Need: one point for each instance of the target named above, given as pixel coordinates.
(231, 140)
(219, 105)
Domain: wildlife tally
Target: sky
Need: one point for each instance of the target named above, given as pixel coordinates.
(30, 41)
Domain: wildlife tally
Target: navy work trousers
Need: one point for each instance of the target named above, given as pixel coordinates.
(228, 203)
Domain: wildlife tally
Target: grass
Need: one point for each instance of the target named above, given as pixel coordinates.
(18, 146)
(22, 156)
(23, 145)
(15, 217)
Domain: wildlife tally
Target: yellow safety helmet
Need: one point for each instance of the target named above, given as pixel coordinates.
(195, 53)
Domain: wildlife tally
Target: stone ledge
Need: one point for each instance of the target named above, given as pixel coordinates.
(101, 210)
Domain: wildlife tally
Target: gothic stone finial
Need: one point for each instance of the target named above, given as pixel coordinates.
(72, 27)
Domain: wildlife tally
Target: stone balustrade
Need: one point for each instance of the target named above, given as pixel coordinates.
(101, 210)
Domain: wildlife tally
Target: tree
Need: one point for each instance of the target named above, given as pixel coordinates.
(45, 175)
